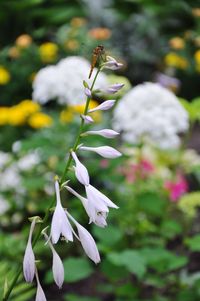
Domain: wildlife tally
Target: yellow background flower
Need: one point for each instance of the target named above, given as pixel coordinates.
(40, 120)
(48, 52)
(4, 111)
(177, 61)
(4, 76)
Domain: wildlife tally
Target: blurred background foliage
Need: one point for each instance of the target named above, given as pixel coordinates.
(151, 248)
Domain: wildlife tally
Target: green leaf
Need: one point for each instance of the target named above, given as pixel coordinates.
(73, 297)
(77, 269)
(151, 203)
(108, 236)
(127, 290)
(193, 243)
(131, 259)
(162, 260)
(170, 229)
(113, 272)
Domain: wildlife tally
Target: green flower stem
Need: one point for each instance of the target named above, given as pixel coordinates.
(47, 214)
(77, 141)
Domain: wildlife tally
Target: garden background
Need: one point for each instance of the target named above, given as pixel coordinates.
(150, 250)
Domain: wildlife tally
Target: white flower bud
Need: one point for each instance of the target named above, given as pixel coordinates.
(80, 171)
(112, 64)
(88, 92)
(114, 88)
(88, 244)
(104, 106)
(58, 269)
(57, 266)
(87, 241)
(29, 258)
(107, 133)
(40, 296)
(104, 151)
(88, 119)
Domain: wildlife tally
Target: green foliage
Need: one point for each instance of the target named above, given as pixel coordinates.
(73, 297)
(130, 259)
(193, 243)
(22, 290)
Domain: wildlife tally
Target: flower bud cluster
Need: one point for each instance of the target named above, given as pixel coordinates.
(95, 203)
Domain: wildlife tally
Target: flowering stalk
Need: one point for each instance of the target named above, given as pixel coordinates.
(47, 214)
(96, 206)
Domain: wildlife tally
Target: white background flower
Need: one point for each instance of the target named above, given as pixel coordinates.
(151, 111)
(64, 81)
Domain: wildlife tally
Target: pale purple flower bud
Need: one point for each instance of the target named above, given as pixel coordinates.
(60, 224)
(80, 171)
(40, 296)
(88, 119)
(114, 88)
(104, 151)
(58, 269)
(88, 92)
(57, 266)
(104, 133)
(29, 258)
(97, 216)
(87, 241)
(104, 106)
(112, 64)
(88, 244)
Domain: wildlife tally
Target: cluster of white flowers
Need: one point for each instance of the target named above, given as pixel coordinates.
(62, 81)
(153, 112)
(10, 170)
(95, 203)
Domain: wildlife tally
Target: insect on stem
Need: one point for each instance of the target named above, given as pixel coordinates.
(96, 54)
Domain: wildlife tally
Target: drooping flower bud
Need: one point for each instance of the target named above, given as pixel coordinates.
(29, 257)
(104, 106)
(107, 133)
(111, 63)
(60, 224)
(87, 241)
(40, 296)
(88, 92)
(57, 266)
(88, 119)
(80, 171)
(104, 151)
(114, 88)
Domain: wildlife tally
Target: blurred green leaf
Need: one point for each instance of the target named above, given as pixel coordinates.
(73, 297)
(131, 259)
(77, 269)
(170, 228)
(193, 243)
(151, 203)
(108, 236)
